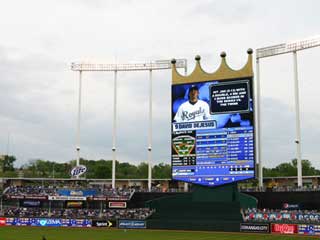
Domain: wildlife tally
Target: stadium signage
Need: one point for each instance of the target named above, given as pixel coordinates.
(15, 196)
(131, 224)
(34, 197)
(288, 206)
(309, 229)
(284, 228)
(66, 198)
(76, 193)
(97, 198)
(2, 221)
(31, 203)
(78, 170)
(274, 216)
(74, 204)
(117, 205)
(254, 227)
(48, 222)
(117, 198)
(98, 223)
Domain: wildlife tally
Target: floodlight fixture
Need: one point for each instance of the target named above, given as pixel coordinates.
(146, 66)
(289, 47)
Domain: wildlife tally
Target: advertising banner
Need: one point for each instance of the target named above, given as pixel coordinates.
(14, 196)
(36, 197)
(2, 221)
(48, 222)
(122, 223)
(76, 222)
(84, 193)
(78, 170)
(30, 203)
(277, 216)
(119, 198)
(66, 198)
(117, 205)
(309, 229)
(291, 206)
(255, 227)
(74, 204)
(31, 197)
(103, 223)
(284, 228)
(45, 222)
(96, 198)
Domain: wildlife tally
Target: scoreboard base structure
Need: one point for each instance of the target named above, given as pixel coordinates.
(216, 209)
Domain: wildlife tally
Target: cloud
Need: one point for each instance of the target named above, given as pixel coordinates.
(39, 91)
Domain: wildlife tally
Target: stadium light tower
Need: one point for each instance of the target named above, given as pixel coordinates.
(115, 68)
(291, 47)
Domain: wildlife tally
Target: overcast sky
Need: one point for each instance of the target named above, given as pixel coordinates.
(38, 91)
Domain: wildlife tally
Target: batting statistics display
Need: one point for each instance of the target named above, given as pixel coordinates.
(213, 132)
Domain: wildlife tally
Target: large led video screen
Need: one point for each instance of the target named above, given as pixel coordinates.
(213, 132)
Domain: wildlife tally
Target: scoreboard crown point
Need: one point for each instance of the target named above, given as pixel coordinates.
(224, 71)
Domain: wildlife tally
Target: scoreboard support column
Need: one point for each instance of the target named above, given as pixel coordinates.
(114, 156)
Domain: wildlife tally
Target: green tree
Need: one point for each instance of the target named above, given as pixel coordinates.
(161, 171)
(142, 170)
(290, 169)
(8, 162)
(126, 170)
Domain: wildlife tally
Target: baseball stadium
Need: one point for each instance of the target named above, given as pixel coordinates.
(214, 144)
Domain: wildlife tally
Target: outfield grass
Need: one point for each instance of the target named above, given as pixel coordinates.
(52, 233)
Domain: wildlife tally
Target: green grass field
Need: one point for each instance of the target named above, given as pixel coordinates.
(52, 233)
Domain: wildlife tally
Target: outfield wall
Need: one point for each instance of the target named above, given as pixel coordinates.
(275, 200)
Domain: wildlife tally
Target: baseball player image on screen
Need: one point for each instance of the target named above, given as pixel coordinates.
(194, 109)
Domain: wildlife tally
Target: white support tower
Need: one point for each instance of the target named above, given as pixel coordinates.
(102, 67)
(150, 133)
(291, 47)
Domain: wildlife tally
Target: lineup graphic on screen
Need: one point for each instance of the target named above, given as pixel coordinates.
(213, 132)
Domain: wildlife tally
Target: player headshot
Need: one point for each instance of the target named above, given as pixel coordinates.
(194, 109)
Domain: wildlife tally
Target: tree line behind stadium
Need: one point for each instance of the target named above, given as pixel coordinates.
(101, 169)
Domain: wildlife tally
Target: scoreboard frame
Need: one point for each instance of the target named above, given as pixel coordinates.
(223, 73)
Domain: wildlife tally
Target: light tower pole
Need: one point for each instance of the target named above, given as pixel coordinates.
(147, 66)
(284, 48)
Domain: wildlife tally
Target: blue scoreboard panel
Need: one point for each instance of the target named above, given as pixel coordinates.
(213, 132)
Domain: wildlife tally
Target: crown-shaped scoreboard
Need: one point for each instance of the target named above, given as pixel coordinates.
(213, 124)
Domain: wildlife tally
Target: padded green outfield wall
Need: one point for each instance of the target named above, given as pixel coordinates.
(202, 209)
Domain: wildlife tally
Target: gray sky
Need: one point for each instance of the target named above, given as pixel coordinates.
(39, 40)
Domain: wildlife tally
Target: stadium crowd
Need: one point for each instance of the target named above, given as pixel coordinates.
(280, 189)
(30, 191)
(109, 214)
(124, 193)
(281, 215)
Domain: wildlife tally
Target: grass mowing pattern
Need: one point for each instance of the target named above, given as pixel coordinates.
(54, 233)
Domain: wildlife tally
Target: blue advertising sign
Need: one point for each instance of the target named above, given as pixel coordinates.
(48, 222)
(84, 193)
(131, 223)
(309, 229)
(213, 132)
